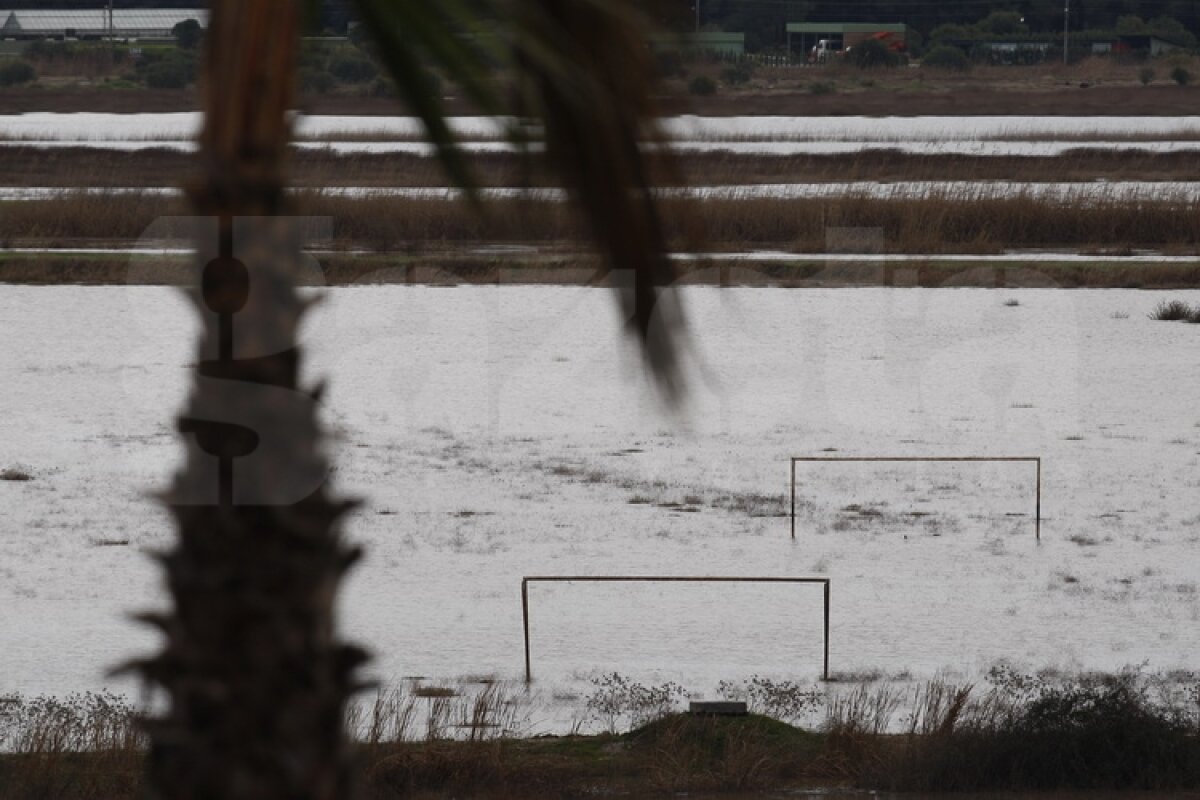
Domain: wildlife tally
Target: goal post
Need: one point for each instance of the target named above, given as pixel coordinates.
(1036, 460)
(666, 579)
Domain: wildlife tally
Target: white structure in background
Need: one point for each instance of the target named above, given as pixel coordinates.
(131, 23)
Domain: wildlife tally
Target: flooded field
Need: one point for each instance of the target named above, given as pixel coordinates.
(933, 136)
(494, 433)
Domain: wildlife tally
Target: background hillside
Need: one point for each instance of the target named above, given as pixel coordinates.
(764, 15)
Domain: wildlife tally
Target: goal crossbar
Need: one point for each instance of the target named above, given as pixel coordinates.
(1037, 460)
(664, 579)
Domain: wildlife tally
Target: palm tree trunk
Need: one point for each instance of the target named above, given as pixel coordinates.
(255, 678)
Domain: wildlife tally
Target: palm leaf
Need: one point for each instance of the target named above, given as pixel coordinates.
(583, 69)
(405, 32)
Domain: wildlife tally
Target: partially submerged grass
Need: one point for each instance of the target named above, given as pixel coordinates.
(1019, 732)
(566, 266)
(936, 223)
(1173, 311)
(1103, 732)
(79, 746)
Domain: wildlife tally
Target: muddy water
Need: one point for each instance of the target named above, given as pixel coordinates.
(849, 794)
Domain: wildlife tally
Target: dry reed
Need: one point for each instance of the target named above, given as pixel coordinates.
(937, 223)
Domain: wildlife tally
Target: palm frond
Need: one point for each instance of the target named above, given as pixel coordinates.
(446, 33)
(587, 74)
(583, 69)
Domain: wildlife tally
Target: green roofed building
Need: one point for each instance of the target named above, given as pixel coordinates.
(802, 37)
(726, 45)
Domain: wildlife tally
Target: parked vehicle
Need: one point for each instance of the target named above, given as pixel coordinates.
(824, 51)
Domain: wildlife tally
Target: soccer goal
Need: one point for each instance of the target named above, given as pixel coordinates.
(663, 579)
(1036, 460)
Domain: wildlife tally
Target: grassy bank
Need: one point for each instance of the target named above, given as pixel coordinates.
(566, 267)
(1019, 732)
(1073, 91)
(23, 165)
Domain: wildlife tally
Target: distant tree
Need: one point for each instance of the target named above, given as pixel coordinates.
(702, 86)
(873, 54)
(945, 56)
(14, 73)
(950, 31)
(188, 34)
(1130, 25)
(1003, 23)
(352, 68)
(168, 75)
(1172, 29)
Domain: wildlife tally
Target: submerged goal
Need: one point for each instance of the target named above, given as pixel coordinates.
(665, 579)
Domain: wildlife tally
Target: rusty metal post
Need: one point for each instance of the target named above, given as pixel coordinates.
(825, 672)
(525, 619)
(1038, 518)
(793, 498)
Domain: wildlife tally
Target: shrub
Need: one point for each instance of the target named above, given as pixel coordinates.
(169, 74)
(315, 81)
(188, 34)
(617, 698)
(1171, 311)
(702, 86)
(1089, 732)
(15, 474)
(16, 72)
(352, 69)
(782, 700)
(1146, 75)
(946, 56)
(1181, 76)
(950, 30)
(873, 54)
(822, 87)
(1003, 23)
(1101, 733)
(43, 48)
(382, 87)
(738, 74)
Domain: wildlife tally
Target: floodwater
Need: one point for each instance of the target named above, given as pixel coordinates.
(1067, 192)
(977, 136)
(499, 432)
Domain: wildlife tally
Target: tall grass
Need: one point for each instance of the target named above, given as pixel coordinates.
(1130, 730)
(1173, 311)
(933, 224)
(1089, 732)
(82, 745)
(468, 711)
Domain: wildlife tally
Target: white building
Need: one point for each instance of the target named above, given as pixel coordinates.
(132, 23)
